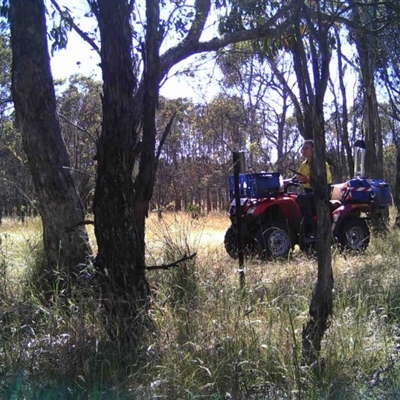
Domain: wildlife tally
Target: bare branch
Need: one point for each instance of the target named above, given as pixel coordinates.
(166, 132)
(78, 127)
(174, 264)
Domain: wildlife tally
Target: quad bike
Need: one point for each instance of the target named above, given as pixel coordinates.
(272, 224)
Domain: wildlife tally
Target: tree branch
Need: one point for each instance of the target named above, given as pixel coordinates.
(174, 264)
(202, 8)
(75, 27)
(166, 132)
(191, 45)
(78, 127)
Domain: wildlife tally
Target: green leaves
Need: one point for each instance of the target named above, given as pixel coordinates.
(59, 32)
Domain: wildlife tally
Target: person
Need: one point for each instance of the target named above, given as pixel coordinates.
(306, 201)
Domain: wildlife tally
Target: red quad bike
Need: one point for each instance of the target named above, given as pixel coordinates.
(272, 222)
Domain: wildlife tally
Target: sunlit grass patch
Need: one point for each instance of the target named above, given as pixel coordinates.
(19, 246)
(185, 231)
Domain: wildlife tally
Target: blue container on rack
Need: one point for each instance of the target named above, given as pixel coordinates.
(261, 185)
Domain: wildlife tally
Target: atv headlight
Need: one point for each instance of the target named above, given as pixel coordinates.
(251, 210)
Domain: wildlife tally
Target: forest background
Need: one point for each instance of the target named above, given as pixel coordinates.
(239, 105)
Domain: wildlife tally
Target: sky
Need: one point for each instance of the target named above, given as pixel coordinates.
(78, 57)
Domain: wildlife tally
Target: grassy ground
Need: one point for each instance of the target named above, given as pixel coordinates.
(209, 338)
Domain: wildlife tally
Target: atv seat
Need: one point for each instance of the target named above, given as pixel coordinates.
(334, 204)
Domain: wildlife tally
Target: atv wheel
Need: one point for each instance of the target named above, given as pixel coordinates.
(274, 241)
(230, 243)
(232, 248)
(354, 234)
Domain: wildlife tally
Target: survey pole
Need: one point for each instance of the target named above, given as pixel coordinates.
(238, 168)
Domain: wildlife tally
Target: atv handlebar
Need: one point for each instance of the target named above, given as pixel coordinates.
(296, 172)
(292, 182)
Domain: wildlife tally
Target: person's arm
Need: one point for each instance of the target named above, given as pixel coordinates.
(303, 173)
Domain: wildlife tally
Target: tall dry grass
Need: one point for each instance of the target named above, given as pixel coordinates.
(210, 337)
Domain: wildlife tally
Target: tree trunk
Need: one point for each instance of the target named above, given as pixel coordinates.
(366, 48)
(208, 199)
(312, 94)
(35, 106)
(396, 197)
(321, 305)
(373, 134)
(126, 170)
(345, 116)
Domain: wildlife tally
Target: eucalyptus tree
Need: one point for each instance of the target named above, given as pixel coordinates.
(311, 52)
(226, 119)
(267, 102)
(221, 126)
(246, 79)
(308, 43)
(15, 177)
(388, 74)
(5, 70)
(126, 149)
(367, 15)
(35, 108)
(16, 183)
(341, 114)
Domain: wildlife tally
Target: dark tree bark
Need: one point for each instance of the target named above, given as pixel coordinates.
(126, 171)
(119, 207)
(394, 122)
(35, 107)
(312, 88)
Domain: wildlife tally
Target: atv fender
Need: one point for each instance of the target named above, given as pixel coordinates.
(343, 212)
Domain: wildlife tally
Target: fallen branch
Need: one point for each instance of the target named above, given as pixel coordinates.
(174, 264)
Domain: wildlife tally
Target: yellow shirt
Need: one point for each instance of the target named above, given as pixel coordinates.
(305, 170)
